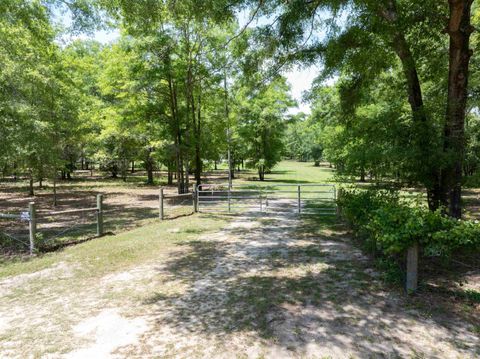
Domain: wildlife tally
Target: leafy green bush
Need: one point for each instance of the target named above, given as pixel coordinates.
(391, 226)
(390, 271)
(358, 206)
(458, 235)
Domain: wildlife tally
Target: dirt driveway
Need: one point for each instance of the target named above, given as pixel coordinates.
(270, 286)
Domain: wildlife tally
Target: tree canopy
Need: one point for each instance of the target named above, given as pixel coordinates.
(395, 100)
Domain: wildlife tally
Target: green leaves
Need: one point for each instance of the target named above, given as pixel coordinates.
(261, 123)
(393, 225)
(37, 106)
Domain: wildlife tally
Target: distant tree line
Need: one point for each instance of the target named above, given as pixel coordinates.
(171, 92)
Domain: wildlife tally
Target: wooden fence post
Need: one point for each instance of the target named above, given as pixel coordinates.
(337, 197)
(32, 226)
(99, 215)
(195, 200)
(160, 203)
(299, 200)
(229, 200)
(412, 268)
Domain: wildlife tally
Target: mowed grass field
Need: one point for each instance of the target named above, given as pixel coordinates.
(111, 253)
(287, 172)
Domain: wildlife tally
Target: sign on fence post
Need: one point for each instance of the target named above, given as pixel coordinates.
(99, 215)
(412, 268)
(32, 226)
(160, 204)
(299, 201)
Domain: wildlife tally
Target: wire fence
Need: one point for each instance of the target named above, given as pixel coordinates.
(35, 230)
(55, 229)
(14, 232)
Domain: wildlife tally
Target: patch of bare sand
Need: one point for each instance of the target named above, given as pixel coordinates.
(106, 333)
(61, 270)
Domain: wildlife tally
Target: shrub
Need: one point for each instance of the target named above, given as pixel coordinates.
(390, 225)
(358, 206)
(459, 235)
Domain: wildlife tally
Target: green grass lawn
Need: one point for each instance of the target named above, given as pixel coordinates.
(290, 172)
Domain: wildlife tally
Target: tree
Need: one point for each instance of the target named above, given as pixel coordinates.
(38, 111)
(303, 139)
(376, 37)
(261, 123)
(184, 51)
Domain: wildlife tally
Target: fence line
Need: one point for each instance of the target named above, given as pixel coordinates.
(162, 197)
(68, 211)
(302, 198)
(32, 215)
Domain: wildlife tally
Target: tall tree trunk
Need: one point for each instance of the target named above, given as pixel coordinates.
(149, 166)
(261, 173)
(430, 174)
(114, 169)
(133, 167)
(232, 165)
(198, 129)
(231, 173)
(362, 174)
(459, 30)
(123, 169)
(187, 173)
(30, 184)
(170, 174)
(55, 189)
(177, 133)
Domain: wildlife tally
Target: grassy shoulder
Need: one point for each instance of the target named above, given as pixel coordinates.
(111, 253)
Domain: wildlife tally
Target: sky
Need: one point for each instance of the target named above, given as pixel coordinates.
(300, 80)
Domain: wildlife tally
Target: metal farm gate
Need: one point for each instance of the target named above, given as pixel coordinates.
(318, 199)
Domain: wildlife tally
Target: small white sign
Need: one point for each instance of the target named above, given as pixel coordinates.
(24, 216)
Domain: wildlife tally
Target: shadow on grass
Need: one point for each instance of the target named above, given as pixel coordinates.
(252, 283)
(54, 235)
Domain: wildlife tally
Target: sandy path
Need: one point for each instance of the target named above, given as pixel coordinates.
(262, 287)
